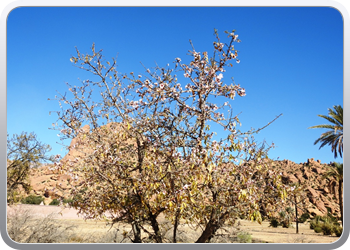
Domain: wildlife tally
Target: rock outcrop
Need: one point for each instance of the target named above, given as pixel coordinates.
(310, 174)
(320, 197)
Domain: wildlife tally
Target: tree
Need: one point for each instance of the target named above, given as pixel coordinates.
(149, 149)
(297, 198)
(23, 152)
(336, 172)
(333, 137)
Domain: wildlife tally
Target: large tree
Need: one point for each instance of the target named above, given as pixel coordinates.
(334, 135)
(149, 148)
(23, 152)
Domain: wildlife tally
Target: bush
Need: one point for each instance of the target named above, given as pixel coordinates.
(315, 222)
(327, 228)
(69, 201)
(244, 237)
(318, 229)
(338, 231)
(54, 202)
(286, 224)
(326, 224)
(274, 222)
(32, 199)
(304, 217)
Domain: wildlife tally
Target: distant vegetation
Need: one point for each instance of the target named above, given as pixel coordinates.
(23, 152)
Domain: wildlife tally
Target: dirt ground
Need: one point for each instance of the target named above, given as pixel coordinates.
(261, 233)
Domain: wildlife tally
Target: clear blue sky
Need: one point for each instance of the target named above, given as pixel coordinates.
(291, 62)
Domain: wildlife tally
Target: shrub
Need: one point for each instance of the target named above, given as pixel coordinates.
(318, 229)
(327, 228)
(54, 202)
(304, 217)
(69, 201)
(14, 196)
(338, 231)
(315, 221)
(274, 222)
(332, 219)
(32, 199)
(286, 224)
(244, 237)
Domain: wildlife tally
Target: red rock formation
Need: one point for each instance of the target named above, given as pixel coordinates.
(320, 196)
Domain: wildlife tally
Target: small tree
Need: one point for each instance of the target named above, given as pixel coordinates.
(149, 149)
(297, 197)
(23, 152)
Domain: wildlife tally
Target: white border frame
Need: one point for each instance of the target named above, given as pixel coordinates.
(184, 3)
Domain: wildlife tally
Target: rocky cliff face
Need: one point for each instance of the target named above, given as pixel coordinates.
(320, 195)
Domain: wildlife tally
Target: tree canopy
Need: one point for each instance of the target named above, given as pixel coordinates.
(334, 135)
(23, 152)
(150, 149)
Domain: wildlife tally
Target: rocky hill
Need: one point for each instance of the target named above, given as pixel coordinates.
(320, 195)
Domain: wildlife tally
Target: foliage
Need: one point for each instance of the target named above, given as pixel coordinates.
(244, 237)
(333, 137)
(23, 152)
(274, 222)
(326, 224)
(327, 228)
(15, 196)
(157, 154)
(315, 221)
(54, 202)
(304, 217)
(67, 201)
(338, 230)
(32, 199)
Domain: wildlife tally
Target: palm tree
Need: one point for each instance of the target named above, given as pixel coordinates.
(336, 171)
(334, 136)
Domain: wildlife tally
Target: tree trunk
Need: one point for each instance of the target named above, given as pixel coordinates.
(211, 228)
(296, 214)
(176, 225)
(155, 226)
(208, 232)
(340, 189)
(137, 233)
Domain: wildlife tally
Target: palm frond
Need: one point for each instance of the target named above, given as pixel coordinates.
(333, 137)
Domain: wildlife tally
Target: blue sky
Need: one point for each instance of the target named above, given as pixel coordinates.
(291, 62)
